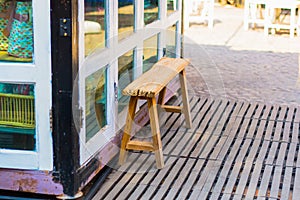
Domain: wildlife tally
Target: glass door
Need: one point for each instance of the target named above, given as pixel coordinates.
(96, 79)
(25, 85)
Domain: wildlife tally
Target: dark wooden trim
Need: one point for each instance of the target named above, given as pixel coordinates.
(64, 57)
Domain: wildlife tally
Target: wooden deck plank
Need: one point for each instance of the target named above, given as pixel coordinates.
(225, 117)
(166, 183)
(151, 175)
(182, 144)
(213, 171)
(188, 184)
(225, 175)
(269, 131)
(232, 132)
(259, 111)
(124, 181)
(274, 190)
(263, 188)
(290, 114)
(277, 133)
(295, 133)
(254, 178)
(213, 140)
(217, 117)
(297, 115)
(200, 145)
(138, 192)
(197, 121)
(281, 161)
(287, 182)
(131, 185)
(184, 175)
(290, 162)
(272, 153)
(287, 135)
(296, 188)
(195, 194)
(237, 167)
(201, 109)
(156, 175)
(243, 109)
(252, 128)
(208, 116)
(116, 175)
(267, 111)
(247, 168)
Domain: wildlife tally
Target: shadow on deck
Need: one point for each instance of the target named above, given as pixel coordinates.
(235, 150)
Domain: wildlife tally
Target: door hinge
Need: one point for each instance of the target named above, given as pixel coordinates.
(80, 117)
(116, 90)
(65, 27)
(51, 119)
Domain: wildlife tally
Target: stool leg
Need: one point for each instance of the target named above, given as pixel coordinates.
(157, 145)
(127, 131)
(161, 96)
(185, 99)
(161, 99)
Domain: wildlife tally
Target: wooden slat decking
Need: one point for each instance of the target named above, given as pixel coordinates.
(235, 150)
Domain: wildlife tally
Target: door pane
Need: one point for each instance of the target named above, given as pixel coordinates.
(150, 11)
(94, 25)
(95, 102)
(17, 116)
(171, 41)
(172, 6)
(16, 31)
(125, 76)
(150, 55)
(125, 18)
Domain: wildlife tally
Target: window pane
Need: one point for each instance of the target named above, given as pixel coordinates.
(16, 31)
(150, 52)
(94, 25)
(17, 116)
(150, 11)
(125, 18)
(172, 6)
(125, 76)
(95, 102)
(171, 42)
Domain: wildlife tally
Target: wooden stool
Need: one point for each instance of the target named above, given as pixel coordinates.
(147, 87)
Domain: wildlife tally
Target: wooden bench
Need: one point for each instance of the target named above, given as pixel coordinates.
(147, 87)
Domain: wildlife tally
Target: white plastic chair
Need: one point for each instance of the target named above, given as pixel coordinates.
(206, 13)
(272, 21)
(253, 13)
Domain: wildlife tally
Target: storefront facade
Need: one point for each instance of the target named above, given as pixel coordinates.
(61, 107)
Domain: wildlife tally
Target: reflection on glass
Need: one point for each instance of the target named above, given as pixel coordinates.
(94, 25)
(125, 76)
(125, 18)
(171, 6)
(17, 116)
(16, 31)
(171, 42)
(95, 102)
(150, 11)
(150, 55)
